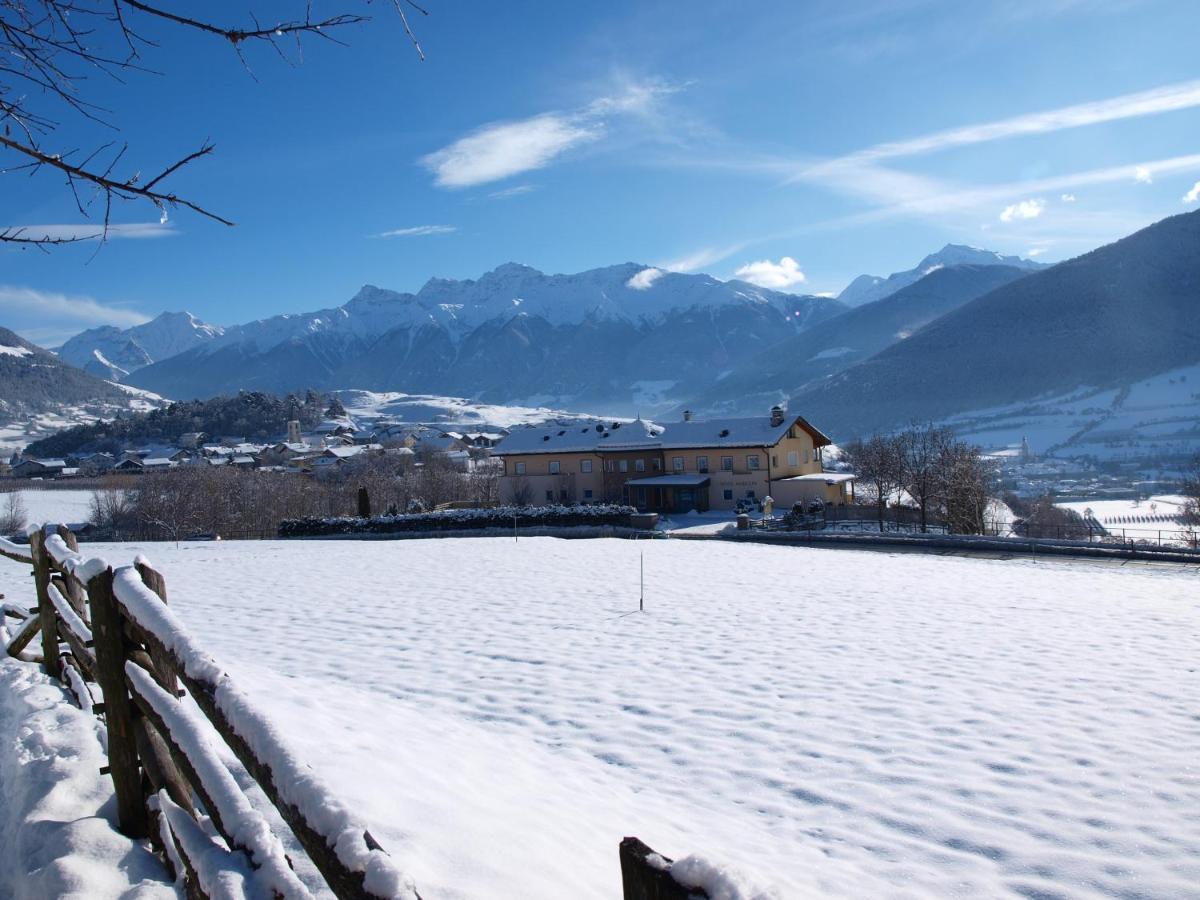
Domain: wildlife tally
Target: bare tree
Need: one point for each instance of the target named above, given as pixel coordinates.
(12, 513)
(922, 448)
(965, 487)
(879, 463)
(50, 50)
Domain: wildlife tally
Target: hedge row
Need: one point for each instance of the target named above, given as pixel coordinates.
(461, 519)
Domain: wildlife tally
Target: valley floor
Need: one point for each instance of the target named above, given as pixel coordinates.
(825, 722)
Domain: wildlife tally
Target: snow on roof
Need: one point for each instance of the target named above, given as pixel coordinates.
(157, 461)
(344, 452)
(49, 463)
(670, 481)
(243, 460)
(756, 431)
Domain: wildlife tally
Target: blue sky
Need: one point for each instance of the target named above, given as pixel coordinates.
(797, 143)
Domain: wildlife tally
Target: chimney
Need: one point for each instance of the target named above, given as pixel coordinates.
(687, 415)
(293, 431)
(776, 416)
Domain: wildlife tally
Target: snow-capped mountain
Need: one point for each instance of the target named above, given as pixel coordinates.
(869, 288)
(112, 353)
(513, 335)
(40, 394)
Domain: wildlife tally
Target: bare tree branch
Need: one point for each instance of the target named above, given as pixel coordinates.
(48, 50)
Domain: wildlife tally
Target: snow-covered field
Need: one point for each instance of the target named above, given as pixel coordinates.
(830, 723)
(1155, 518)
(54, 505)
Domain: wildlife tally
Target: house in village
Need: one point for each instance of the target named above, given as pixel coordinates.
(39, 468)
(677, 467)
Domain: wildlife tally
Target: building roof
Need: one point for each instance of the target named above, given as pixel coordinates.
(669, 481)
(47, 463)
(597, 437)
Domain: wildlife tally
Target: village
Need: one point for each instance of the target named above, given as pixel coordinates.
(681, 467)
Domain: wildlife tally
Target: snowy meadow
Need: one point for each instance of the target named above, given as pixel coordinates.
(824, 722)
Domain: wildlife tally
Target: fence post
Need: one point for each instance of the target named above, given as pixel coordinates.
(46, 613)
(162, 666)
(119, 713)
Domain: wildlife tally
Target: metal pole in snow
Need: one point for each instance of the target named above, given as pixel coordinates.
(642, 597)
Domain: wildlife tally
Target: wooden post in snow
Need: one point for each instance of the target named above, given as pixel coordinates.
(646, 880)
(119, 712)
(74, 590)
(41, 578)
(163, 669)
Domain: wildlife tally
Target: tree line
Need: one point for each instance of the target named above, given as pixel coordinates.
(948, 480)
(201, 500)
(253, 415)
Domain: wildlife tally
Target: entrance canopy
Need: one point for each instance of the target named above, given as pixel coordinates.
(670, 481)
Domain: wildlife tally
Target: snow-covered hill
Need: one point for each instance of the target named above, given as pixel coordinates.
(41, 394)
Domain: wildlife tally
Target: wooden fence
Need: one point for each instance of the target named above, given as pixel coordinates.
(111, 631)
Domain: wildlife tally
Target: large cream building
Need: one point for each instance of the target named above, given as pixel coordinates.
(675, 467)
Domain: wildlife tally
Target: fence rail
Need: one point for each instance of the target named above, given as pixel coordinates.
(111, 630)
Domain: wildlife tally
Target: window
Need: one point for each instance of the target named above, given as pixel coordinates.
(807, 457)
(608, 465)
(752, 461)
(587, 495)
(726, 463)
(727, 493)
(793, 458)
(639, 465)
(623, 465)
(774, 460)
(657, 464)
(585, 466)
(749, 495)
(677, 463)
(641, 496)
(702, 464)
(519, 468)
(555, 468)
(549, 496)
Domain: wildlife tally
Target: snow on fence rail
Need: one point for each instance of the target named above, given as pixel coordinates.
(112, 629)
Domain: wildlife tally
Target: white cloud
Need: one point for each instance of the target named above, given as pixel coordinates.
(50, 317)
(1033, 252)
(1142, 175)
(1068, 198)
(1026, 209)
(90, 231)
(418, 231)
(503, 149)
(515, 191)
(644, 279)
(775, 275)
(1143, 103)
(701, 258)
(507, 148)
(1193, 195)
